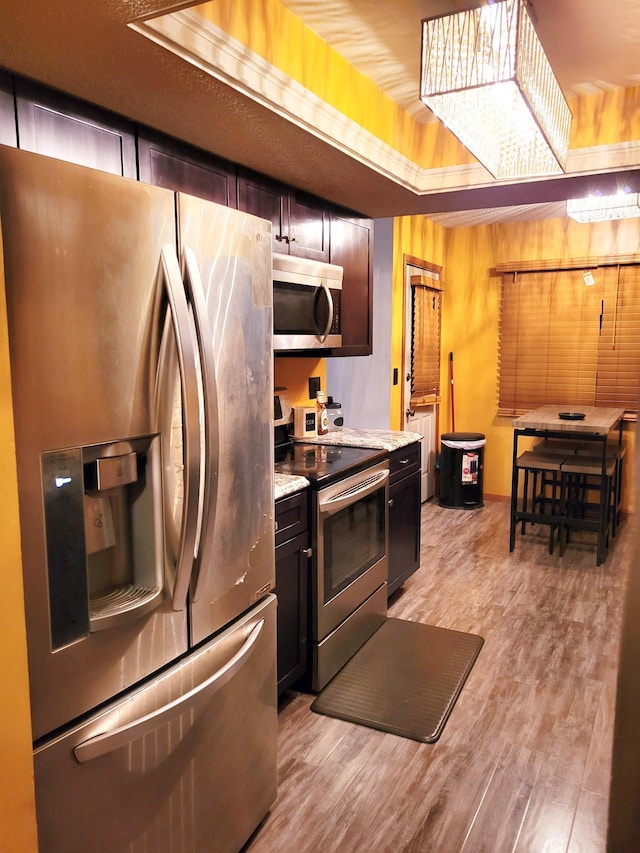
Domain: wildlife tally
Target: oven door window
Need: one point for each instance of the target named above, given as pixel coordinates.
(354, 540)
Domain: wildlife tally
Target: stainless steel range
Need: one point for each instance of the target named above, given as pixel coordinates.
(349, 522)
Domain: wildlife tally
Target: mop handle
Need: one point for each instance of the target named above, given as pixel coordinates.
(453, 410)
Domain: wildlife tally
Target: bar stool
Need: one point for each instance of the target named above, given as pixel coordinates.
(541, 503)
(615, 454)
(558, 447)
(581, 476)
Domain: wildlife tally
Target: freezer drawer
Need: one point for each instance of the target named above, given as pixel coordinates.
(187, 762)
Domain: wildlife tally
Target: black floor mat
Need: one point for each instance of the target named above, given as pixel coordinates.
(404, 680)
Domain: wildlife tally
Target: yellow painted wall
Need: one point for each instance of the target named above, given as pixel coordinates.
(293, 375)
(470, 317)
(605, 118)
(17, 807)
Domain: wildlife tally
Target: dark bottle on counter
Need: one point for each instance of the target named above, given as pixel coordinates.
(323, 419)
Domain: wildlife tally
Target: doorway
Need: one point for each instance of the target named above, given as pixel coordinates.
(421, 376)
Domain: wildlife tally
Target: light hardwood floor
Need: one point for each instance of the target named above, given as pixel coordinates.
(523, 763)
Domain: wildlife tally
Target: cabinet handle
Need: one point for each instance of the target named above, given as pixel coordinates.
(307, 552)
(390, 501)
(403, 461)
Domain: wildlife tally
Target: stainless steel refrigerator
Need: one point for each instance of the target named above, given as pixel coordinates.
(140, 333)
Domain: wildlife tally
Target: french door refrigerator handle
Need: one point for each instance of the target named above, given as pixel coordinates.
(327, 292)
(210, 432)
(108, 741)
(187, 363)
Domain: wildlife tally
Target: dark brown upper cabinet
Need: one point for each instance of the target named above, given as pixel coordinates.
(165, 162)
(300, 223)
(352, 248)
(59, 126)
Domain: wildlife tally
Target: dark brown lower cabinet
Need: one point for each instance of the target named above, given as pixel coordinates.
(404, 514)
(292, 587)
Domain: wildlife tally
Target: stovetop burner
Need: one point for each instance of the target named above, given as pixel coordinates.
(322, 464)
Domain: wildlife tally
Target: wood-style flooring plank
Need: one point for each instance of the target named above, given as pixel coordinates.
(590, 824)
(524, 760)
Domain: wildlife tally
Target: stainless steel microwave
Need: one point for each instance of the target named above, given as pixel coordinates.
(306, 304)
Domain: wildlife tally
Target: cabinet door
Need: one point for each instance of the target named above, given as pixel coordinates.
(264, 198)
(351, 244)
(308, 227)
(404, 530)
(292, 579)
(8, 131)
(59, 126)
(300, 223)
(168, 163)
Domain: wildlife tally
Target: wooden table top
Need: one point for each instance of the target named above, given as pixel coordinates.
(597, 420)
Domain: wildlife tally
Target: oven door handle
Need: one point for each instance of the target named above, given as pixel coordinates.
(353, 494)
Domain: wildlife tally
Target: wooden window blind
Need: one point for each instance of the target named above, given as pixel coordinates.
(564, 342)
(425, 341)
(619, 342)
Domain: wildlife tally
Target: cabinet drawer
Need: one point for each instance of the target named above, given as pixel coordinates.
(404, 461)
(291, 516)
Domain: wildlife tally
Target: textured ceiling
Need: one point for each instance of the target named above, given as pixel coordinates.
(87, 50)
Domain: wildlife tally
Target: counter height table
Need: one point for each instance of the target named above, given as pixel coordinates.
(560, 463)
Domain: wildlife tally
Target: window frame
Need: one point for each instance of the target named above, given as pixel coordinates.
(428, 277)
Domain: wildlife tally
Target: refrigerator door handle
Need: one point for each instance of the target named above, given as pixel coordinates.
(211, 436)
(111, 740)
(187, 363)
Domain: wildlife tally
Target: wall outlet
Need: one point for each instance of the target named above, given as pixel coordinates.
(314, 386)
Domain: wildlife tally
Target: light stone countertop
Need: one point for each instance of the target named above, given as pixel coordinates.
(289, 484)
(376, 439)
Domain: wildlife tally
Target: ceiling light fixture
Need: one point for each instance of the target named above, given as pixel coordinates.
(600, 208)
(485, 75)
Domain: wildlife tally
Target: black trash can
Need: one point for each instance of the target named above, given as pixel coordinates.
(461, 468)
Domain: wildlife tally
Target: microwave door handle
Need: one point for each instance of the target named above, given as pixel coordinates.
(188, 369)
(210, 434)
(108, 741)
(327, 292)
(349, 497)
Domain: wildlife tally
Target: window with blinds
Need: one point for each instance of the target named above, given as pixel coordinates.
(568, 341)
(425, 340)
(619, 341)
